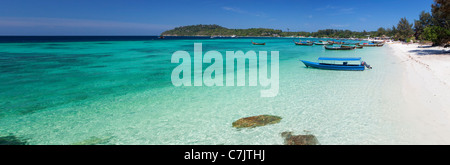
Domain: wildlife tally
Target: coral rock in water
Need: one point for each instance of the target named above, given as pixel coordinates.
(290, 139)
(11, 140)
(256, 121)
(94, 141)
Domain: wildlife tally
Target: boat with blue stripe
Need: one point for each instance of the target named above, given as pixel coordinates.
(336, 63)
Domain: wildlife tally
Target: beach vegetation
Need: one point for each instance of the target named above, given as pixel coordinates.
(441, 13)
(440, 27)
(393, 31)
(404, 30)
(434, 27)
(411, 39)
(438, 35)
(420, 25)
(381, 32)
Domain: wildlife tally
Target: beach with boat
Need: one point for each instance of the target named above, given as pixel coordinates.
(337, 107)
(341, 74)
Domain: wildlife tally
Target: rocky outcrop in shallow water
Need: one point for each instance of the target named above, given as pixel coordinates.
(94, 141)
(11, 140)
(256, 121)
(290, 139)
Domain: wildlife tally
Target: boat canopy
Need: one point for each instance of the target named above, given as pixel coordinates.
(340, 59)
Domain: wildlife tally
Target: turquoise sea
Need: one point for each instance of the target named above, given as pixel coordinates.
(119, 91)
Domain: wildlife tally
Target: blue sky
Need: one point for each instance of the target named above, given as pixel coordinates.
(148, 17)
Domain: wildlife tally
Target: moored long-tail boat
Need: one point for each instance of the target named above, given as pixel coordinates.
(339, 48)
(350, 64)
(337, 42)
(303, 43)
(372, 45)
(356, 46)
(254, 43)
(323, 43)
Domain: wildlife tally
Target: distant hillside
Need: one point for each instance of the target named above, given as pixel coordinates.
(216, 30)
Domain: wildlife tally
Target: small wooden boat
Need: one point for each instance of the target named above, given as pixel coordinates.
(339, 48)
(350, 64)
(330, 42)
(356, 46)
(368, 45)
(258, 43)
(161, 37)
(303, 43)
(337, 42)
(323, 43)
(372, 45)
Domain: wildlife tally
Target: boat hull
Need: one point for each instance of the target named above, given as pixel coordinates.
(254, 43)
(304, 44)
(372, 45)
(339, 48)
(323, 43)
(356, 46)
(332, 66)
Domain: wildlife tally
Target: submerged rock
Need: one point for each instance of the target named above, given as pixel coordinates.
(11, 140)
(256, 121)
(93, 141)
(290, 139)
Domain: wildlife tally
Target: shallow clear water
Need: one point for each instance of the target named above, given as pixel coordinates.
(120, 92)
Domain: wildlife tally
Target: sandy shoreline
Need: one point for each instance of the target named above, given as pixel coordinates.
(426, 91)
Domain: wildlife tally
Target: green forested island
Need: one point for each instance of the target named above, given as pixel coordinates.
(431, 27)
(216, 30)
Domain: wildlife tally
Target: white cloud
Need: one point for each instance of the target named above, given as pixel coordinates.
(336, 10)
(240, 11)
(80, 23)
(339, 25)
(346, 11)
(328, 7)
(236, 10)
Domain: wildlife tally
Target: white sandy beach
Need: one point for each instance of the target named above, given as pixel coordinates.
(426, 90)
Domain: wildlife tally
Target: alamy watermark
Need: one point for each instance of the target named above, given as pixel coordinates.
(256, 64)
